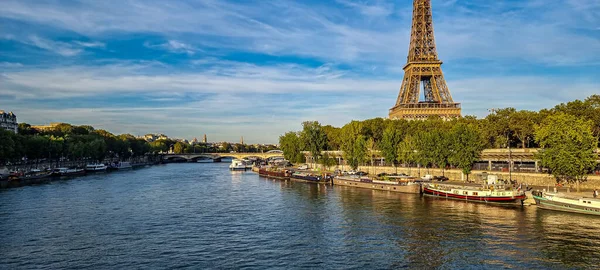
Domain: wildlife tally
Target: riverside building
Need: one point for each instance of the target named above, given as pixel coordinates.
(8, 121)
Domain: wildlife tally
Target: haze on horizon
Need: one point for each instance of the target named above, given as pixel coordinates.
(259, 68)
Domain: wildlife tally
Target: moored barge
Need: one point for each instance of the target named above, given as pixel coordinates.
(566, 203)
(405, 186)
(274, 173)
(487, 193)
(309, 177)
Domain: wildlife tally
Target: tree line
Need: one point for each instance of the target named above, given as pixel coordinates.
(78, 143)
(68, 142)
(459, 142)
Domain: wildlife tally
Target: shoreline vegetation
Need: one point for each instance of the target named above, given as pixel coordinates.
(70, 145)
(567, 137)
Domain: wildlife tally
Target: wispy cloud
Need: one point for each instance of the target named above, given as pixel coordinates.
(224, 67)
(61, 48)
(174, 46)
(94, 44)
(372, 10)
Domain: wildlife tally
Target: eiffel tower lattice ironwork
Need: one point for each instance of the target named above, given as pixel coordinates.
(423, 67)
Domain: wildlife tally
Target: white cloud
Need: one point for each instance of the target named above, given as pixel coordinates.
(232, 77)
(375, 10)
(94, 44)
(61, 48)
(534, 31)
(175, 47)
(365, 37)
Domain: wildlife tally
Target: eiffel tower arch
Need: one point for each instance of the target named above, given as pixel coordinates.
(423, 69)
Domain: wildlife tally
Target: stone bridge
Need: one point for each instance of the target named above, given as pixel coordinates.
(217, 156)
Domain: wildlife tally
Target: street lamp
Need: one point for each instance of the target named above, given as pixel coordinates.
(509, 157)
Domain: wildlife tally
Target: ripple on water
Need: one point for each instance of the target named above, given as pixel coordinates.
(203, 216)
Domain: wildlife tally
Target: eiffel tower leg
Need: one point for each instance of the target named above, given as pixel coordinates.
(443, 92)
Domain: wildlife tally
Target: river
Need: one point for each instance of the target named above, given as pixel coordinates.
(203, 216)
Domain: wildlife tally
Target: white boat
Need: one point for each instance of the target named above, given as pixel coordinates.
(123, 165)
(95, 168)
(67, 172)
(567, 203)
(238, 165)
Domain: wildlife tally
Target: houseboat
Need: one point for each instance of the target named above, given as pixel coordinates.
(123, 165)
(309, 177)
(405, 185)
(96, 168)
(493, 190)
(280, 174)
(60, 172)
(566, 203)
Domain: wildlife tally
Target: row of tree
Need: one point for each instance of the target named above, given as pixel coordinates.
(76, 143)
(459, 142)
(68, 142)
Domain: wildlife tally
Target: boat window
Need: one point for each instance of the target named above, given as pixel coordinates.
(466, 193)
(475, 193)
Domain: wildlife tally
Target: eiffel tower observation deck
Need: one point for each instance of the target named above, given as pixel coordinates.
(423, 71)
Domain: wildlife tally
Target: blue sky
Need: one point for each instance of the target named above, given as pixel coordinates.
(259, 68)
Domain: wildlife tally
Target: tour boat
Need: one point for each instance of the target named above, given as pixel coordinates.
(95, 168)
(67, 172)
(406, 185)
(237, 165)
(566, 203)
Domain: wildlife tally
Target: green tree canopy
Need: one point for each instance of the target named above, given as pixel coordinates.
(313, 139)
(291, 147)
(466, 147)
(568, 146)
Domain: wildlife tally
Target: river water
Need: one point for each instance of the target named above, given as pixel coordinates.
(202, 216)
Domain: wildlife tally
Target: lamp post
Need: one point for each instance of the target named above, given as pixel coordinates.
(509, 157)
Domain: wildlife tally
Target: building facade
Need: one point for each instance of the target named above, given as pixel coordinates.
(8, 121)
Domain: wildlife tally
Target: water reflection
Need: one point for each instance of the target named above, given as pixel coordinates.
(571, 239)
(185, 215)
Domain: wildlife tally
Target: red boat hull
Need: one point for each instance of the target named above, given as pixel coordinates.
(486, 199)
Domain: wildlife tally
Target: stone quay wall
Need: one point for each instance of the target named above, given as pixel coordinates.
(532, 179)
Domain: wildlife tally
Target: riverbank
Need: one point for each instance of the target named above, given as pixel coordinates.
(24, 178)
(540, 180)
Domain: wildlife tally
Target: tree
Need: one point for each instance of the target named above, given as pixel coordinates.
(389, 145)
(97, 149)
(333, 137)
(568, 146)
(349, 137)
(358, 152)
(328, 161)
(26, 129)
(522, 123)
(313, 139)
(179, 148)
(433, 147)
(466, 147)
(406, 151)
(159, 146)
(291, 147)
(7, 146)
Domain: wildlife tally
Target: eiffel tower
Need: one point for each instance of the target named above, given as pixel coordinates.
(423, 66)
